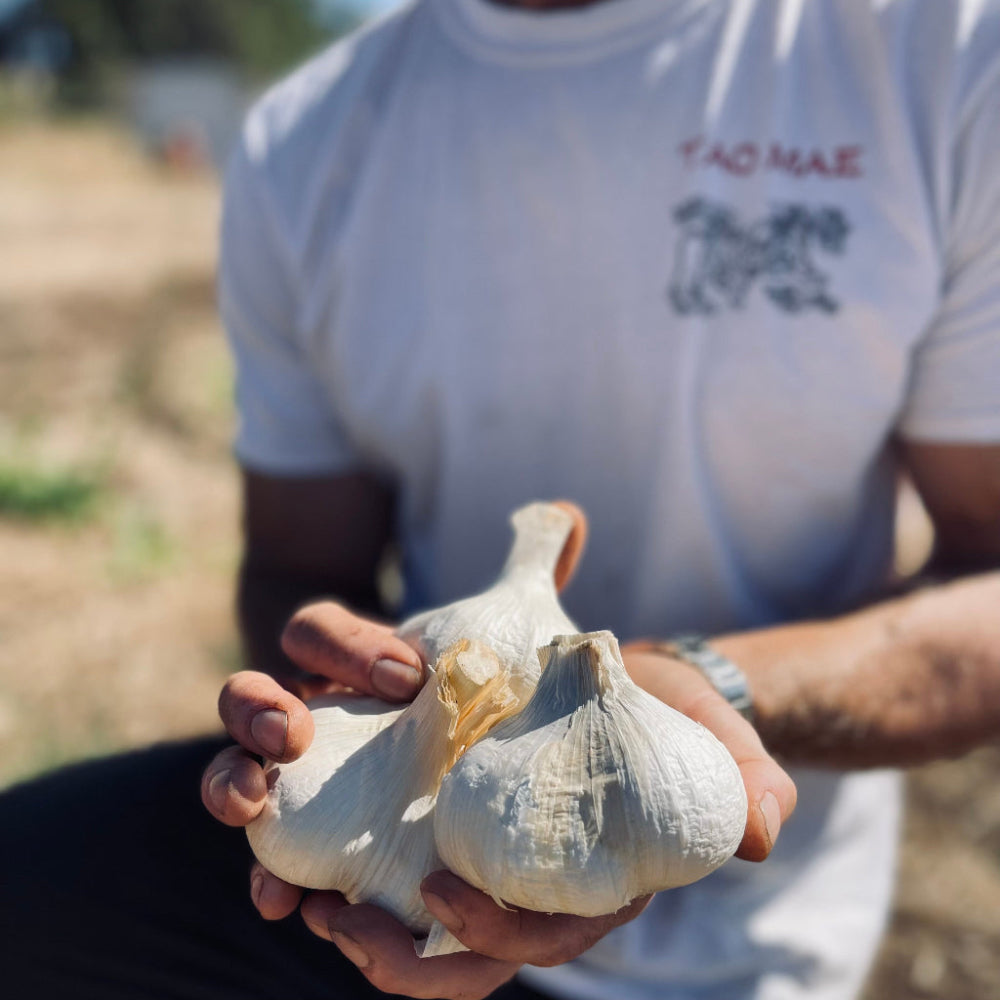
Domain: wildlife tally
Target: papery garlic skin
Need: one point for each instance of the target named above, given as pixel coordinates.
(594, 794)
(519, 612)
(354, 812)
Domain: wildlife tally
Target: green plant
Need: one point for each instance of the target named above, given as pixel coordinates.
(141, 547)
(29, 492)
(262, 38)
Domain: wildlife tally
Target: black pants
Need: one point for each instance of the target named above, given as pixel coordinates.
(116, 883)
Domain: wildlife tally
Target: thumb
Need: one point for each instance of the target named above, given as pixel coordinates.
(575, 543)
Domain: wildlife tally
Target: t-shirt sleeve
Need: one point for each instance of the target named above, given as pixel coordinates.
(286, 424)
(954, 392)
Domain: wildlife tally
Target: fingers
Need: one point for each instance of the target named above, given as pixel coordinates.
(382, 949)
(327, 639)
(569, 558)
(265, 718)
(233, 787)
(771, 800)
(515, 935)
(274, 898)
(770, 791)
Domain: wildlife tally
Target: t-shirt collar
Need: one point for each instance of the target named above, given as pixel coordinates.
(557, 34)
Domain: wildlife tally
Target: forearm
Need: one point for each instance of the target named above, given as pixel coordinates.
(268, 597)
(899, 683)
(307, 539)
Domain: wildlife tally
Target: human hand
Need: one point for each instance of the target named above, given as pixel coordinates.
(331, 649)
(331, 643)
(334, 650)
(500, 940)
(770, 791)
(337, 650)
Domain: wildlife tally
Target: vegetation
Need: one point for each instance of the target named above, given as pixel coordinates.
(30, 493)
(262, 37)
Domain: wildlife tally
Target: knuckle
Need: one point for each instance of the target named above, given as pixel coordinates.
(557, 954)
(791, 792)
(491, 946)
(313, 629)
(238, 693)
(386, 980)
(546, 960)
(227, 695)
(300, 633)
(248, 779)
(562, 943)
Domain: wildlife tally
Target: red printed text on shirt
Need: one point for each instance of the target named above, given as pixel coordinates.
(745, 158)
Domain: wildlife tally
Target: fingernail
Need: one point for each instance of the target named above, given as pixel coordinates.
(442, 910)
(270, 731)
(771, 813)
(218, 791)
(394, 679)
(352, 951)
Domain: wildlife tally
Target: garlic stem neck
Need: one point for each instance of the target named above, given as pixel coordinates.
(540, 533)
(578, 668)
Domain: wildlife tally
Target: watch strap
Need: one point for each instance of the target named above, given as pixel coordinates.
(721, 672)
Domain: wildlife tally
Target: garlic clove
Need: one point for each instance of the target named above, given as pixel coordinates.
(594, 794)
(354, 812)
(519, 612)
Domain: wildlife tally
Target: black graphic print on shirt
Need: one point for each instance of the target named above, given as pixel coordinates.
(719, 258)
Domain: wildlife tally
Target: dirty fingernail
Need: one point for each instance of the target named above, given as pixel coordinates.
(350, 948)
(441, 909)
(394, 679)
(218, 791)
(771, 813)
(270, 731)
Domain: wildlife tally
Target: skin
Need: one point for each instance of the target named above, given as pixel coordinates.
(905, 680)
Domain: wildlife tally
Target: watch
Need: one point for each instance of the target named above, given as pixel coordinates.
(721, 673)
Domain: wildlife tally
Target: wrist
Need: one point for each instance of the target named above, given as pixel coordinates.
(721, 672)
(718, 668)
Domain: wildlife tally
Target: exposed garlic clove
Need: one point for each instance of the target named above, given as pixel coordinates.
(519, 612)
(594, 794)
(354, 812)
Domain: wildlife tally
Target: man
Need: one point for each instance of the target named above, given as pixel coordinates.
(713, 270)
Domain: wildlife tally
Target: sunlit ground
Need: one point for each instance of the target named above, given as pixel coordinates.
(118, 520)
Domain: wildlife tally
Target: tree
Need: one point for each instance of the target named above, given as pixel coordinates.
(262, 37)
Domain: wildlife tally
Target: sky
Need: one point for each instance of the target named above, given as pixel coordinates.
(375, 6)
(365, 6)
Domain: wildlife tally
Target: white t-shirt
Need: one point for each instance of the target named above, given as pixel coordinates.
(691, 263)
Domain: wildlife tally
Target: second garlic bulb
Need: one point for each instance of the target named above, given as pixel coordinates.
(594, 794)
(519, 612)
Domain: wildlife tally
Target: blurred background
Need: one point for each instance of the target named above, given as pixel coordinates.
(118, 502)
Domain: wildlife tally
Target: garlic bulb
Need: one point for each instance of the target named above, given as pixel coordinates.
(593, 794)
(354, 812)
(519, 612)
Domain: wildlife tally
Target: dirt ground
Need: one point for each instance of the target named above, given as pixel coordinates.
(113, 373)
